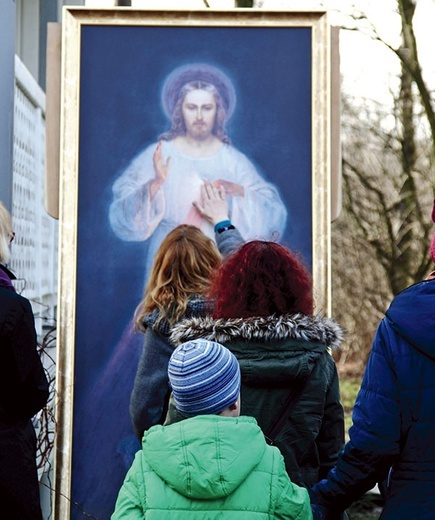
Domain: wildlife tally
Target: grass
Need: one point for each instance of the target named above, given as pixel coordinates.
(368, 507)
(349, 390)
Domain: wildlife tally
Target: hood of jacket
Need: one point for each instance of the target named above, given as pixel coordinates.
(271, 350)
(295, 327)
(412, 316)
(205, 457)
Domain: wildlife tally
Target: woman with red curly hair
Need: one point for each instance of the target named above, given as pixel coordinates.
(263, 312)
(256, 282)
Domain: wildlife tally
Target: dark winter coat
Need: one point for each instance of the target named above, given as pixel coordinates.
(23, 392)
(150, 395)
(394, 415)
(276, 355)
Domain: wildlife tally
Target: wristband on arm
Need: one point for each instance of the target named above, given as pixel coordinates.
(222, 226)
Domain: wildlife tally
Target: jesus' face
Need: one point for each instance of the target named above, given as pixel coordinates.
(199, 113)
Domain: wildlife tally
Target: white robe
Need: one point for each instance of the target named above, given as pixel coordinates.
(135, 217)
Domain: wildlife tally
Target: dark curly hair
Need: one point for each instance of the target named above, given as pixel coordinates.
(261, 279)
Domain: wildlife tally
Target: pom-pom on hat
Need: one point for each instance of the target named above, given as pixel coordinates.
(204, 376)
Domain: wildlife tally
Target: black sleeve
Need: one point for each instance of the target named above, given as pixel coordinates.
(330, 441)
(24, 385)
(150, 395)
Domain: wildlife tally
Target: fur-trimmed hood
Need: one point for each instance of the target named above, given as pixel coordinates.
(293, 327)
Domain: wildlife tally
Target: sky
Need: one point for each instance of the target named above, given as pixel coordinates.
(368, 68)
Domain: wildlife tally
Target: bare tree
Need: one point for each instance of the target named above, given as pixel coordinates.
(381, 241)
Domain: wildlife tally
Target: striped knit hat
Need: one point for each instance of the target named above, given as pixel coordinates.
(205, 377)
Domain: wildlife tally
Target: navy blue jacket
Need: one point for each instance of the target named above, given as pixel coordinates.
(393, 436)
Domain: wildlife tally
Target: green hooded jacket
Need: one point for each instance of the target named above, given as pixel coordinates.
(209, 467)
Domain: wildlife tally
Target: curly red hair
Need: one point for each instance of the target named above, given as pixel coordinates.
(261, 279)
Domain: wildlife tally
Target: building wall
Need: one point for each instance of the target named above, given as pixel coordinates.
(7, 21)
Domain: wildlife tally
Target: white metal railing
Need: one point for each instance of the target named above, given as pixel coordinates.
(35, 249)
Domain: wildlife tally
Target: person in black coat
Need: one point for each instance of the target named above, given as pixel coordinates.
(23, 392)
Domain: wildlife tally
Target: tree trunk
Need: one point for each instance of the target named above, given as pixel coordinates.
(381, 241)
(409, 56)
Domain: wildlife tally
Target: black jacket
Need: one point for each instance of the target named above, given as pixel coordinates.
(23, 384)
(150, 395)
(23, 392)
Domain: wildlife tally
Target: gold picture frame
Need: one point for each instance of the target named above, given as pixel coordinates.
(93, 101)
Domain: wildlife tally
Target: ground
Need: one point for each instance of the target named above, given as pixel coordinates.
(369, 507)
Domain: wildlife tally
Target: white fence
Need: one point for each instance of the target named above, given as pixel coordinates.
(35, 248)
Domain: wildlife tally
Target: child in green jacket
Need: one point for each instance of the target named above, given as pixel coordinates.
(214, 464)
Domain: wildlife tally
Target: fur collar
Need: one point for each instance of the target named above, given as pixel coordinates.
(297, 327)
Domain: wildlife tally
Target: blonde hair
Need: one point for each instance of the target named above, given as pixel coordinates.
(5, 234)
(182, 268)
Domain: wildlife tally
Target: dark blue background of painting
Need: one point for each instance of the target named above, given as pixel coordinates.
(122, 72)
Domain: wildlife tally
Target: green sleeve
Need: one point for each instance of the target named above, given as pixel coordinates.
(293, 502)
(130, 503)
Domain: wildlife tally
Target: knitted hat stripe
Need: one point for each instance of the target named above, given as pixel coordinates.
(204, 376)
(208, 388)
(198, 385)
(197, 379)
(217, 397)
